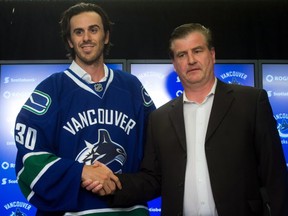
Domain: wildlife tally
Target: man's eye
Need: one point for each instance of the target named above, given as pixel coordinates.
(181, 55)
(94, 30)
(78, 32)
(198, 51)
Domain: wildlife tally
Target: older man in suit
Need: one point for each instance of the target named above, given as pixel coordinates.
(215, 150)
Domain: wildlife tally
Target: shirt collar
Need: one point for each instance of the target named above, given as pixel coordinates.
(84, 75)
(212, 92)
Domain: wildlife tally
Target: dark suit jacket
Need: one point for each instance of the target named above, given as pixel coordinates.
(243, 150)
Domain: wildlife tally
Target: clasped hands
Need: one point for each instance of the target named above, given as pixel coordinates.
(99, 179)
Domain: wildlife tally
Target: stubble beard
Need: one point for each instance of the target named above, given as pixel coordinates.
(88, 59)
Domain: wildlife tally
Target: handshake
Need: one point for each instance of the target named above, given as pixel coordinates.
(99, 179)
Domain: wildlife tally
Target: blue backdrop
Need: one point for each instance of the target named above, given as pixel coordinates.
(160, 80)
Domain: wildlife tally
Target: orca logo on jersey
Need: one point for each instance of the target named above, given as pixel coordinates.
(38, 103)
(105, 151)
(146, 98)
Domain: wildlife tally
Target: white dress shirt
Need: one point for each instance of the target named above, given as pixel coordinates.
(198, 197)
(86, 76)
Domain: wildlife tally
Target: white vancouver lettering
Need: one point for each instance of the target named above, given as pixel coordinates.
(100, 116)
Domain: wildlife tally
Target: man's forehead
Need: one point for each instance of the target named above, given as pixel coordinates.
(189, 41)
(86, 19)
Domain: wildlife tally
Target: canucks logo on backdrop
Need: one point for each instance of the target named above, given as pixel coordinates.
(175, 88)
(173, 85)
(282, 126)
(19, 208)
(17, 213)
(105, 150)
(233, 77)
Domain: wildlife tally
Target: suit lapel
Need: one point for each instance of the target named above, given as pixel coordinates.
(177, 118)
(221, 104)
(222, 101)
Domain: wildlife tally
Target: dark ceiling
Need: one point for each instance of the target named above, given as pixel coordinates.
(242, 29)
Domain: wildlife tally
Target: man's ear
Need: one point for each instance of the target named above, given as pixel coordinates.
(107, 37)
(70, 43)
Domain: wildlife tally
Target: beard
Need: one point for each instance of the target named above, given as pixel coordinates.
(91, 57)
(87, 60)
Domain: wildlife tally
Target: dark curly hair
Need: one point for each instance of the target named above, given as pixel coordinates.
(75, 10)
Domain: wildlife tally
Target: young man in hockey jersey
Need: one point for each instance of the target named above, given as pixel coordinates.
(87, 113)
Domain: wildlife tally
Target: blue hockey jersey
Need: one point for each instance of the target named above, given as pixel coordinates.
(66, 123)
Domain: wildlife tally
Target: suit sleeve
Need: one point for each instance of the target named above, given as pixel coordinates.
(272, 166)
(142, 186)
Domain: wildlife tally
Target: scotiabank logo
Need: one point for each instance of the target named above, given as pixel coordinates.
(6, 181)
(6, 80)
(277, 93)
(18, 80)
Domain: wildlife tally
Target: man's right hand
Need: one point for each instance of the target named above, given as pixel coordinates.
(99, 179)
